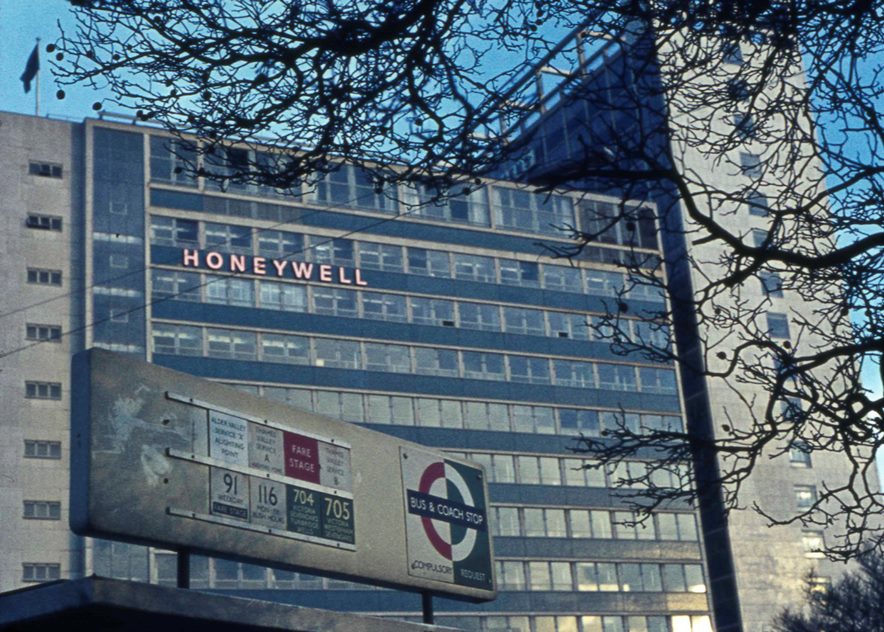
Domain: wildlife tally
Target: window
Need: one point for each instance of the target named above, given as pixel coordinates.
(738, 89)
(171, 284)
(387, 357)
(537, 212)
(229, 238)
(118, 261)
(428, 263)
(771, 284)
(429, 361)
(177, 339)
(480, 365)
(43, 222)
(744, 124)
(431, 311)
(758, 204)
(777, 325)
(523, 321)
(172, 231)
(278, 244)
(805, 496)
(283, 296)
(232, 344)
(750, 164)
(119, 315)
(389, 307)
(230, 291)
(45, 169)
(330, 250)
(562, 279)
(813, 543)
(50, 333)
(283, 348)
(39, 276)
(380, 257)
(563, 325)
(519, 273)
(337, 354)
(43, 390)
(173, 161)
(799, 454)
(602, 283)
(355, 187)
(538, 419)
(731, 52)
(42, 510)
(584, 422)
(479, 316)
(39, 572)
(474, 268)
(529, 370)
(36, 449)
(334, 302)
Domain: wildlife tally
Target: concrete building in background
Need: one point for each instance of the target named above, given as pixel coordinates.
(442, 324)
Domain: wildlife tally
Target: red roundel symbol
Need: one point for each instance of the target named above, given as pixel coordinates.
(432, 474)
(452, 551)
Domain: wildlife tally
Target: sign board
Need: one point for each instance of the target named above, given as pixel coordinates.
(171, 460)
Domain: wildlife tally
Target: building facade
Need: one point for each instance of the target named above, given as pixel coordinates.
(679, 100)
(436, 322)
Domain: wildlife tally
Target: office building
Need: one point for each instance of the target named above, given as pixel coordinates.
(444, 323)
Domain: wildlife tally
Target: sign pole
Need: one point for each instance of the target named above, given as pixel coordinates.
(427, 605)
(183, 568)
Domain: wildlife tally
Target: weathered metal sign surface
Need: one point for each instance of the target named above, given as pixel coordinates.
(168, 459)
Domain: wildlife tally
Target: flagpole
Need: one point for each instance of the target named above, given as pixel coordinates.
(37, 85)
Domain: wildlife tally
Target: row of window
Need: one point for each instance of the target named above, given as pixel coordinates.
(185, 233)
(579, 623)
(45, 169)
(40, 572)
(330, 301)
(236, 344)
(517, 209)
(43, 333)
(42, 390)
(42, 221)
(432, 412)
(527, 469)
(552, 522)
(40, 449)
(41, 276)
(600, 577)
(42, 510)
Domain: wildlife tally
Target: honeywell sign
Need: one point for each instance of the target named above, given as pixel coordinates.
(265, 266)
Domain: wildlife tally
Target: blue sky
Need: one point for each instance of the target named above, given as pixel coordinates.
(21, 22)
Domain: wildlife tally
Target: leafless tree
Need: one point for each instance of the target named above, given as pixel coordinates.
(708, 112)
(853, 604)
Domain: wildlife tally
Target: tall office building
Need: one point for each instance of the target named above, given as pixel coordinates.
(439, 322)
(658, 99)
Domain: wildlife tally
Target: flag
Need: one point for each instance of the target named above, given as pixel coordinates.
(31, 69)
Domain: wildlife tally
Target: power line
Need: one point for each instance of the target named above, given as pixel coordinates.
(153, 302)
